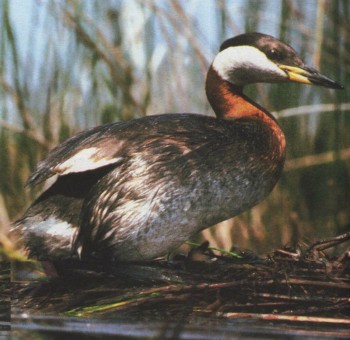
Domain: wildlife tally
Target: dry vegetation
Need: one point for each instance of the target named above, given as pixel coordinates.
(97, 62)
(76, 64)
(287, 290)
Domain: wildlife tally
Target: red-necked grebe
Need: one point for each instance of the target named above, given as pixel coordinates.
(138, 189)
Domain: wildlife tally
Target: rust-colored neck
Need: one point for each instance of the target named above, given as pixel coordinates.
(228, 100)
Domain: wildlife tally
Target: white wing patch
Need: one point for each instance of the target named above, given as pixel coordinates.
(84, 160)
(52, 227)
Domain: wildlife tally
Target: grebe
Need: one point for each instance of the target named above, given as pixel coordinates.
(138, 189)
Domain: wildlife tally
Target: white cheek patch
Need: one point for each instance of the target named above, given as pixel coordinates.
(241, 65)
(84, 160)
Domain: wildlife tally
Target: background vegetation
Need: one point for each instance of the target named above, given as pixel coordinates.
(67, 65)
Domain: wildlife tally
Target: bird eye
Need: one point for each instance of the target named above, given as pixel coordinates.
(274, 54)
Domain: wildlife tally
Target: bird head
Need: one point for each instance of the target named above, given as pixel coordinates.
(257, 58)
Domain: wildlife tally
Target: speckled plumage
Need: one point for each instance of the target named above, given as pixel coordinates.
(187, 187)
(136, 190)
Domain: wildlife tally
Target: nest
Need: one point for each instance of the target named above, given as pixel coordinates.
(303, 285)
